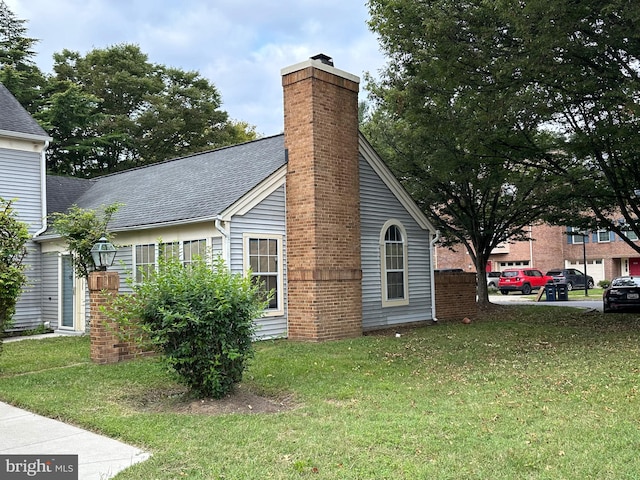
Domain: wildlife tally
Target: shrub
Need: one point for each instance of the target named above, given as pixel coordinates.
(81, 228)
(13, 238)
(200, 318)
(604, 283)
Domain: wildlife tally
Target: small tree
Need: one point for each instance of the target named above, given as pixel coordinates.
(81, 229)
(13, 238)
(200, 318)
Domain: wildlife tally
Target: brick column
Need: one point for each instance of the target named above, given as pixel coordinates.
(103, 286)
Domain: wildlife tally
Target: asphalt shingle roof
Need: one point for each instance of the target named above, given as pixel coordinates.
(195, 187)
(14, 118)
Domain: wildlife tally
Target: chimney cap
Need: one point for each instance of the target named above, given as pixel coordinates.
(327, 60)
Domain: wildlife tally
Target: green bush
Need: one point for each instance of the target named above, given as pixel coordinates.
(604, 283)
(13, 238)
(200, 318)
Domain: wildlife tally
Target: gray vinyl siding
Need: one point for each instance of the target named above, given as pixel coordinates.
(123, 265)
(50, 289)
(266, 218)
(378, 205)
(20, 180)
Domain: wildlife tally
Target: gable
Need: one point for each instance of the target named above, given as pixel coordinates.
(393, 184)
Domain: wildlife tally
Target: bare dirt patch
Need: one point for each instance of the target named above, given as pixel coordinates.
(242, 400)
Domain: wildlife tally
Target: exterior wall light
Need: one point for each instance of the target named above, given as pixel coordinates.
(103, 253)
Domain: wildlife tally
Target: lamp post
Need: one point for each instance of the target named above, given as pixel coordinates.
(585, 235)
(103, 253)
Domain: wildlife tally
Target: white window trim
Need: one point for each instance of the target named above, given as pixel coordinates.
(383, 265)
(156, 246)
(576, 238)
(600, 231)
(279, 311)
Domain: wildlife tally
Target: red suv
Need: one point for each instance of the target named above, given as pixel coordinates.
(522, 279)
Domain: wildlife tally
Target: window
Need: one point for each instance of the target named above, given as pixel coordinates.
(576, 238)
(394, 265)
(192, 249)
(263, 255)
(603, 236)
(631, 235)
(145, 261)
(146, 255)
(169, 251)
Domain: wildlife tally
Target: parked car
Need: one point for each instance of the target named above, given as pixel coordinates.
(522, 279)
(623, 293)
(572, 277)
(492, 279)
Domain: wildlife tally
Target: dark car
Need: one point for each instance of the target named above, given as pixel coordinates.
(522, 279)
(572, 277)
(623, 293)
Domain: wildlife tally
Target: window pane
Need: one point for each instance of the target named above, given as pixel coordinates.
(263, 261)
(145, 261)
(394, 263)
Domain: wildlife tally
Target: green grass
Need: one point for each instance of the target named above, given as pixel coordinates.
(529, 392)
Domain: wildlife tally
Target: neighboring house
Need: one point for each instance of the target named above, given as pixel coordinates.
(552, 247)
(22, 178)
(313, 212)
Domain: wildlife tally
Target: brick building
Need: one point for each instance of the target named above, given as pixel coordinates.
(550, 247)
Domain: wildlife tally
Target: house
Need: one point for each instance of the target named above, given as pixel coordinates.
(314, 212)
(548, 247)
(22, 177)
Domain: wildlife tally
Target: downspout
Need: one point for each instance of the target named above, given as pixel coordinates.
(226, 242)
(433, 283)
(43, 188)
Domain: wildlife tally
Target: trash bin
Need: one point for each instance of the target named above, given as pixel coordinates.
(562, 291)
(550, 292)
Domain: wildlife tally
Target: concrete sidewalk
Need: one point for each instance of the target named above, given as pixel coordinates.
(99, 457)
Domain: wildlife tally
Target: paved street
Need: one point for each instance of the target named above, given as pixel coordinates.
(591, 302)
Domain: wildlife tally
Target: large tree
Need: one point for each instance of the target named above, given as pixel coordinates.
(585, 65)
(458, 121)
(113, 109)
(18, 71)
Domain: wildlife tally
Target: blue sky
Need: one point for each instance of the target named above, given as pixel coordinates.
(239, 45)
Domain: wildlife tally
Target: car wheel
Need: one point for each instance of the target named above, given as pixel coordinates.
(590, 284)
(526, 289)
(605, 308)
(504, 292)
(569, 286)
(492, 285)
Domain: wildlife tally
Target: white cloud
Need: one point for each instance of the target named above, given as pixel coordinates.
(239, 45)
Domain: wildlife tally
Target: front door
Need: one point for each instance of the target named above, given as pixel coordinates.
(634, 267)
(67, 292)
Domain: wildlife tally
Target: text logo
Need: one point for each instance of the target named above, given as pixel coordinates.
(50, 467)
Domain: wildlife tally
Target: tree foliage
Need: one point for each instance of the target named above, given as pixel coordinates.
(81, 228)
(13, 238)
(587, 73)
(18, 71)
(201, 319)
(113, 109)
(457, 121)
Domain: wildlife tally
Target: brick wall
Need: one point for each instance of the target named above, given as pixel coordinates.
(107, 343)
(455, 296)
(323, 210)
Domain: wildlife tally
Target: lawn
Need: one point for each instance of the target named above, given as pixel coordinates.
(526, 392)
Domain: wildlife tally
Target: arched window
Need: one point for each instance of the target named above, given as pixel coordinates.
(394, 265)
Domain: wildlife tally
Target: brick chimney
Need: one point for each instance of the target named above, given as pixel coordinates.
(324, 270)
